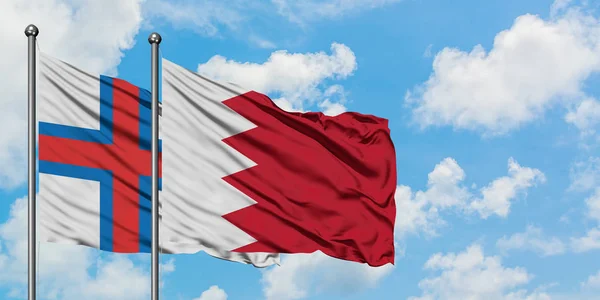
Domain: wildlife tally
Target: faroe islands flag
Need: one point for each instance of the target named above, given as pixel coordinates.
(94, 159)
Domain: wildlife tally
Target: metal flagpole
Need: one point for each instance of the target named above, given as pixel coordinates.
(31, 32)
(154, 41)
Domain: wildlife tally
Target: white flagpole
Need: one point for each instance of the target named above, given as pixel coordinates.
(31, 32)
(154, 41)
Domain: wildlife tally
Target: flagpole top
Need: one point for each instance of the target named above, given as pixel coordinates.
(154, 38)
(31, 30)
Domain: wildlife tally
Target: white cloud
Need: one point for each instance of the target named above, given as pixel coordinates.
(532, 66)
(427, 52)
(213, 293)
(261, 42)
(309, 10)
(589, 242)
(118, 278)
(524, 295)
(333, 102)
(164, 268)
(73, 31)
(497, 195)
(532, 239)
(332, 108)
(286, 105)
(66, 271)
(585, 175)
(472, 275)
(301, 275)
(443, 185)
(586, 116)
(331, 105)
(415, 214)
(202, 16)
(592, 283)
(296, 77)
(559, 6)
(593, 205)
(168, 267)
(588, 290)
(419, 211)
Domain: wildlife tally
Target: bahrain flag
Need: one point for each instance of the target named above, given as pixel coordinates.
(246, 181)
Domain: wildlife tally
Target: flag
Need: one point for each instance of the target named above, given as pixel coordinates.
(94, 159)
(95, 164)
(244, 176)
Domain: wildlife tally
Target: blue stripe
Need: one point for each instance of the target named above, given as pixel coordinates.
(145, 125)
(106, 107)
(145, 216)
(145, 187)
(102, 136)
(105, 178)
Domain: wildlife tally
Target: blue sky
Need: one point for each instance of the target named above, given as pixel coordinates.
(493, 109)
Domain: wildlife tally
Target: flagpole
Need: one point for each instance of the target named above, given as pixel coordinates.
(31, 32)
(154, 39)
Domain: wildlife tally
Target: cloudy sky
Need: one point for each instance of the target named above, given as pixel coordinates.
(493, 108)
